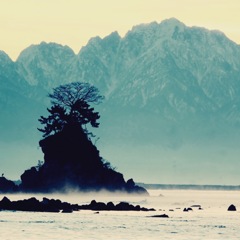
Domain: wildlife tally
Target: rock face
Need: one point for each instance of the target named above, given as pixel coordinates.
(73, 162)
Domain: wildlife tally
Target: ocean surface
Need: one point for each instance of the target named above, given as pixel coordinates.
(213, 221)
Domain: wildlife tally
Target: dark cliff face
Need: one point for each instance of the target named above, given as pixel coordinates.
(73, 162)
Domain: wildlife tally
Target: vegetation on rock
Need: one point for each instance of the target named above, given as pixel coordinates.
(71, 160)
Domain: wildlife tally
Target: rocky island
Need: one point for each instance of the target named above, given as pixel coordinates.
(71, 160)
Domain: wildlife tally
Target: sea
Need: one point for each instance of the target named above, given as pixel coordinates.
(208, 219)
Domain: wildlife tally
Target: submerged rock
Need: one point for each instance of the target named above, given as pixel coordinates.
(232, 208)
(187, 209)
(160, 216)
(52, 205)
(122, 206)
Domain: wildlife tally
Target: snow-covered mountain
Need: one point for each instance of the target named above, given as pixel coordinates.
(164, 83)
(166, 78)
(45, 65)
(183, 69)
(168, 67)
(17, 101)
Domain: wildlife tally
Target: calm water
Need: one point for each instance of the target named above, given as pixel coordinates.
(213, 222)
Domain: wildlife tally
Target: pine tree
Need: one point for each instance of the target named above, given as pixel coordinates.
(70, 107)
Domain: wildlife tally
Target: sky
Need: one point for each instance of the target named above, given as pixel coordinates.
(74, 22)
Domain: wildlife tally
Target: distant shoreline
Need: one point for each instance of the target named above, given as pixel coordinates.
(188, 187)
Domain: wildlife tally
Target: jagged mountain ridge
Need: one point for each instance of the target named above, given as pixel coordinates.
(163, 82)
(183, 76)
(18, 105)
(44, 64)
(179, 68)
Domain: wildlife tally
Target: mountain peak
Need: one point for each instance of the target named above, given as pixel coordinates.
(44, 48)
(143, 27)
(170, 25)
(113, 35)
(172, 22)
(164, 29)
(4, 57)
(39, 63)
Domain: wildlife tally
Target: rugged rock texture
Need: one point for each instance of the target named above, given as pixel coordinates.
(72, 162)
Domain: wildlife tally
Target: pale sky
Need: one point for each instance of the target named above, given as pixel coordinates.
(74, 22)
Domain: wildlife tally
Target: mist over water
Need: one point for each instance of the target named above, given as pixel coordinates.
(212, 222)
(211, 162)
(191, 163)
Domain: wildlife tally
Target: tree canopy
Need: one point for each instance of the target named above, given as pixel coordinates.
(70, 158)
(71, 106)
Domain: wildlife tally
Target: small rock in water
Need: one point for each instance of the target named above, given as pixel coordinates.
(161, 216)
(187, 209)
(232, 208)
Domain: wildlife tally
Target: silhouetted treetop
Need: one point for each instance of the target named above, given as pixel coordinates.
(68, 95)
(71, 107)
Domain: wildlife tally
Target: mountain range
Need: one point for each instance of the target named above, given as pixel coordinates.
(172, 100)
